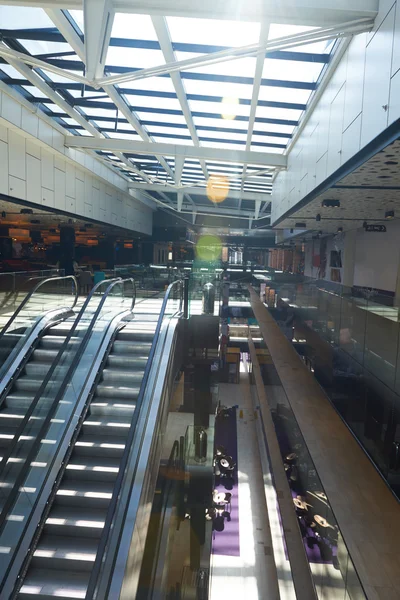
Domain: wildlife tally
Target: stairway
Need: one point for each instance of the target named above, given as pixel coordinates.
(62, 562)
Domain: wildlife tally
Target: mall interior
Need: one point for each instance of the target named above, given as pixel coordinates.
(200, 299)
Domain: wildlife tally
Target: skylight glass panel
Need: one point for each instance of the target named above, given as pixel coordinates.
(220, 135)
(242, 67)
(278, 113)
(273, 127)
(265, 139)
(10, 71)
(219, 107)
(135, 27)
(213, 31)
(162, 118)
(291, 70)
(280, 94)
(154, 102)
(224, 145)
(206, 122)
(133, 57)
(153, 84)
(77, 16)
(99, 112)
(169, 130)
(34, 91)
(22, 17)
(44, 47)
(219, 88)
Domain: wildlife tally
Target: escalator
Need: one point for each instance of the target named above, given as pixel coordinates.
(98, 415)
(29, 343)
(64, 557)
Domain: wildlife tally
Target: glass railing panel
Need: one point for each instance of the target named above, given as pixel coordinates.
(54, 409)
(329, 559)
(381, 342)
(49, 294)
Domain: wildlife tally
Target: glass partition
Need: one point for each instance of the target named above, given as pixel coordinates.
(330, 563)
(31, 455)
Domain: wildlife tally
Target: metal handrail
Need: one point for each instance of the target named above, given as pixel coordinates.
(12, 496)
(91, 589)
(30, 294)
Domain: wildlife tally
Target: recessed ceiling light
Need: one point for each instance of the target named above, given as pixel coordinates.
(389, 214)
(330, 203)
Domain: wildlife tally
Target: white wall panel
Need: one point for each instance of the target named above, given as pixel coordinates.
(33, 149)
(351, 140)
(355, 79)
(370, 70)
(59, 189)
(35, 166)
(320, 172)
(47, 162)
(33, 179)
(16, 154)
(396, 41)
(394, 98)
(80, 195)
(30, 122)
(3, 133)
(11, 110)
(335, 131)
(70, 180)
(3, 168)
(378, 62)
(45, 133)
(17, 187)
(70, 204)
(47, 197)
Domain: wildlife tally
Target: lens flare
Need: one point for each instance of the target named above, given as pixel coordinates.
(229, 108)
(209, 248)
(217, 188)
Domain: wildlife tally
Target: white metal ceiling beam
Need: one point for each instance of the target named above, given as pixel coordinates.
(283, 43)
(161, 28)
(299, 12)
(98, 16)
(199, 191)
(166, 149)
(69, 33)
(264, 32)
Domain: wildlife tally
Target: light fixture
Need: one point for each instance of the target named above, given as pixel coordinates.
(333, 203)
(340, 229)
(389, 214)
(301, 225)
(318, 218)
(26, 211)
(291, 231)
(365, 224)
(3, 214)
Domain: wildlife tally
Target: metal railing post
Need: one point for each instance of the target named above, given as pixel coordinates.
(186, 297)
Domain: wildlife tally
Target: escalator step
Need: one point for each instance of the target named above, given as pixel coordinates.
(142, 348)
(125, 378)
(75, 522)
(86, 494)
(91, 445)
(116, 391)
(63, 552)
(122, 362)
(116, 408)
(47, 584)
(91, 468)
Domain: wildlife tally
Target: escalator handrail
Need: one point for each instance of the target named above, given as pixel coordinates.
(14, 492)
(91, 589)
(32, 292)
